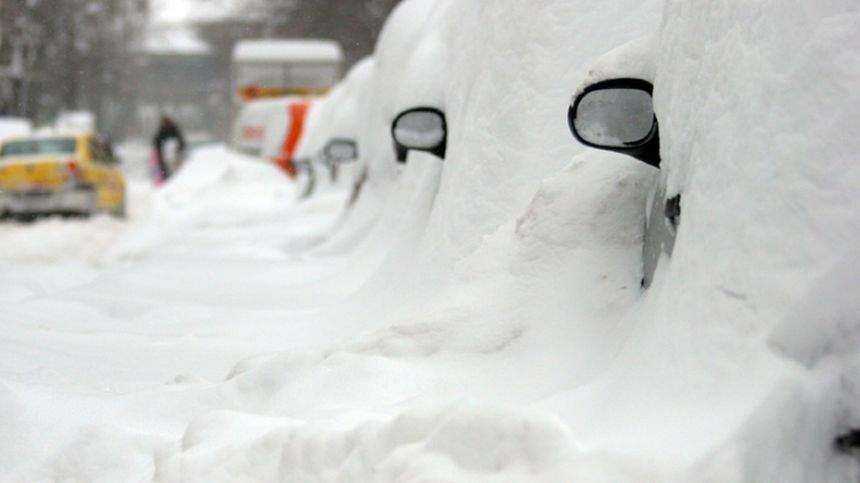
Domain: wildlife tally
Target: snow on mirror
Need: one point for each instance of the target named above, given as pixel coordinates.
(615, 118)
(420, 130)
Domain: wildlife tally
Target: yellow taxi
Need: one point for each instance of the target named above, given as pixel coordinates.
(60, 174)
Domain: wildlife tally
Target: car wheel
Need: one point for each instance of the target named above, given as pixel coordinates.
(121, 211)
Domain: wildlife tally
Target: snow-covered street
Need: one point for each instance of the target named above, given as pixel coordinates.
(110, 322)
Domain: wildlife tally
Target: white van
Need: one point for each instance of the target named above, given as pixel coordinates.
(271, 129)
(260, 127)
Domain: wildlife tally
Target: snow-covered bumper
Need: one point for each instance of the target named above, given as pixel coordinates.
(75, 199)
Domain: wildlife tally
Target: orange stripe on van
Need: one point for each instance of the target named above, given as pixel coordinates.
(298, 112)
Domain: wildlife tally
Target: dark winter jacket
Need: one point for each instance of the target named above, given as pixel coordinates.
(167, 131)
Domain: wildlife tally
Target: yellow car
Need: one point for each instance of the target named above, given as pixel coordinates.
(67, 175)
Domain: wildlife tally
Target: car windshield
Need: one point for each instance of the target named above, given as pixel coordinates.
(39, 146)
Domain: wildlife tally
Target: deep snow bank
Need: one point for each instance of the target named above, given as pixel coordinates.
(211, 199)
(510, 273)
(769, 212)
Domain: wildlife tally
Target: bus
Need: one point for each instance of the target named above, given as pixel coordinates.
(265, 69)
(274, 84)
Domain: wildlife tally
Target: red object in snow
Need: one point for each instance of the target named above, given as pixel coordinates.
(298, 112)
(155, 168)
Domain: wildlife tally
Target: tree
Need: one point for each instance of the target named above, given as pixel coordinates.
(75, 53)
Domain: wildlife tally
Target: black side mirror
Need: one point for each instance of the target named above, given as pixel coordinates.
(305, 165)
(420, 129)
(849, 443)
(618, 115)
(340, 151)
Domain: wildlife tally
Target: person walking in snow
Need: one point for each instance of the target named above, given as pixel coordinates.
(167, 130)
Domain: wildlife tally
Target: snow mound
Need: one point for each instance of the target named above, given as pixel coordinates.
(463, 442)
(215, 192)
(107, 454)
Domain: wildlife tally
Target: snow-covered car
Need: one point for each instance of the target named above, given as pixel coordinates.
(733, 250)
(60, 174)
(331, 135)
(617, 114)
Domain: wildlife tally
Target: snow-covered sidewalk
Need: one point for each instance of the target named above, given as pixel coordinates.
(121, 324)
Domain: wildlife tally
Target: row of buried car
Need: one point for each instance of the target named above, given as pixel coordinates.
(305, 136)
(424, 98)
(614, 114)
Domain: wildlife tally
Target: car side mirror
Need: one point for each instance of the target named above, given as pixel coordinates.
(340, 151)
(303, 164)
(420, 129)
(618, 115)
(306, 166)
(849, 443)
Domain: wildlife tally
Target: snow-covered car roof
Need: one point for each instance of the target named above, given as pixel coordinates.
(286, 50)
(14, 127)
(49, 134)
